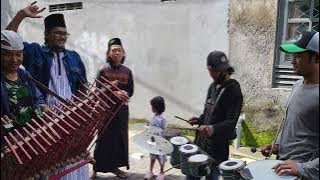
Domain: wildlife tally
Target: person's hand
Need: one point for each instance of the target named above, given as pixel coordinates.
(205, 131)
(123, 95)
(265, 151)
(44, 108)
(115, 82)
(286, 168)
(6, 120)
(193, 121)
(32, 10)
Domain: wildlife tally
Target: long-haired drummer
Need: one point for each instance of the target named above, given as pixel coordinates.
(222, 109)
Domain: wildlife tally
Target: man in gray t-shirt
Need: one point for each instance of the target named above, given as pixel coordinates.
(298, 140)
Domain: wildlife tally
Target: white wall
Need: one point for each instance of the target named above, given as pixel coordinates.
(252, 32)
(166, 44)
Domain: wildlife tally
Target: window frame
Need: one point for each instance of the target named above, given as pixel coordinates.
(283, 69)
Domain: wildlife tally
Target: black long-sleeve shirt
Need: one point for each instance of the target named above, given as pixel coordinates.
(227, 110)
(223, 119)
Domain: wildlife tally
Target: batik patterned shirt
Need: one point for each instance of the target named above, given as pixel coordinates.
(20, 102)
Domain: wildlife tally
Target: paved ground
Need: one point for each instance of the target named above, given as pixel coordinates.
(139, 163)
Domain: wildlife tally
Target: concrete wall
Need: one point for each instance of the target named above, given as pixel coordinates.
(252, 30)
(166, 44)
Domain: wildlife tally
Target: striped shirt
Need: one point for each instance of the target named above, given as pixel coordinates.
(59, 82)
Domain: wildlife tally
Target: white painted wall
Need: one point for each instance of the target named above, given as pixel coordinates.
(166, 44)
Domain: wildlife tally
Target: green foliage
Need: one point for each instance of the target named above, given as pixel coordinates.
(134, 121)
(251, 138)
(188, 133)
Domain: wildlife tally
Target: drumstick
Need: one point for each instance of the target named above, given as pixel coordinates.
(181, 119)
(181, 128)
(174, 167)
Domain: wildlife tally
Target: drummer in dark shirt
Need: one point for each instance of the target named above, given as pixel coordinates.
(222, 109)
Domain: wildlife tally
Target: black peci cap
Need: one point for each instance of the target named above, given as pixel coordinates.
(114, 41)
(54, 20)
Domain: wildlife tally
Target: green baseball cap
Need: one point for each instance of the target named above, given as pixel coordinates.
(308, 41)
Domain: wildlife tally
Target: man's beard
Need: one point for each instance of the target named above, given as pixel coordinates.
(221, 78)
(58, 48)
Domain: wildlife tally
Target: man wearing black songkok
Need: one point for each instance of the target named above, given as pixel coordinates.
(111, 151)
(61, 70)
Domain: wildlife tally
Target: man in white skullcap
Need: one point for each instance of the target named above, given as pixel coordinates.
(60, 69)
(20, 98)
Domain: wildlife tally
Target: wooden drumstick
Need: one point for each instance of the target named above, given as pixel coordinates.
(181, 118)
(182, 128)
(174, 167)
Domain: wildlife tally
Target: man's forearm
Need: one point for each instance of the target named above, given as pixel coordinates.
(16, 21)
(309, 170)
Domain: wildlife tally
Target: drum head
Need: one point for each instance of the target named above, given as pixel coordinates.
(169, 132)
(232, 165)
(179, 140)
(188, 148)
(198, 158)
(262, 170)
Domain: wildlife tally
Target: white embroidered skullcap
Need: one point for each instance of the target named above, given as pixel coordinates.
(13, 39)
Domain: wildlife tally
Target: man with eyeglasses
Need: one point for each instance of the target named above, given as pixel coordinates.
(59, 69)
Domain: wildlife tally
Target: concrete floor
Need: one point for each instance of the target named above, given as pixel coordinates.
(139, 163)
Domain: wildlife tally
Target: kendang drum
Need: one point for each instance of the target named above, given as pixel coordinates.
(262, 170)
(186, 151)
(230, 169)
(199, 165)
(175, 155)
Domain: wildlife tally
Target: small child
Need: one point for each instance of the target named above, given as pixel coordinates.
(158, 107)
